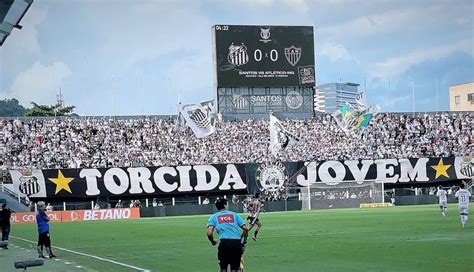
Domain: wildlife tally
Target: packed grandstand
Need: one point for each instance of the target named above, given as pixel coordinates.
(93, 142)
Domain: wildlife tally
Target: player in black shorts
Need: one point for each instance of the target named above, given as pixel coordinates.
(254, 208)
(232, 234)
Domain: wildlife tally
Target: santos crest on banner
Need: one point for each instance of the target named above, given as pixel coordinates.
(199, 118)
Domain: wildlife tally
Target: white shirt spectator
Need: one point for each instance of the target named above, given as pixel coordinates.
(137, 141)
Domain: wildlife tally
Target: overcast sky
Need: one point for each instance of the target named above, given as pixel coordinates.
(151, 52)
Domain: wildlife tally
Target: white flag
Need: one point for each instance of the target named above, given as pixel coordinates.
(180, 122)
(198, 118)
(280, 138)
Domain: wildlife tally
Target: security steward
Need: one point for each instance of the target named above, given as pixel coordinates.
(232, 235)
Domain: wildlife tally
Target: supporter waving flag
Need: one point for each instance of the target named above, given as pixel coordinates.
(199, 118)
(180, 122)
(352, 118)
(280, 138)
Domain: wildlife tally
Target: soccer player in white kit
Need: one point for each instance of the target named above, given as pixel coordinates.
(254, 209)
(443, 200)
(463, 197)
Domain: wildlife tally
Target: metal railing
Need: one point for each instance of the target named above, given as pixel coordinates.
(11, 193)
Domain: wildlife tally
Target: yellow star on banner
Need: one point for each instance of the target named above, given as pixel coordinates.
(61, 182)
(441, 169)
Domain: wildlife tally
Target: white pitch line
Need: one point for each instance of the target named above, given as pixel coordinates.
(88, 255)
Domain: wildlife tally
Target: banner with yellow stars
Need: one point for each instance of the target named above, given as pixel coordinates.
(226, 179)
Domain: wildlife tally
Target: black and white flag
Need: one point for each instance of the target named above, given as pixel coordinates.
(199, 118)
(27, 182)
(280, 139)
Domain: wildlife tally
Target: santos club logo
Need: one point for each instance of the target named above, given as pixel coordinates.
(238, 55)
(200, 118)
(467, 167)
(28, 183)
(239, 101)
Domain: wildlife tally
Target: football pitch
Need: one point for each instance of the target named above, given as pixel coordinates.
(409, 238)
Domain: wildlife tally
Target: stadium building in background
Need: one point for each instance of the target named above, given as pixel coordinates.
(262, 69)
(331, 96)
(461, 97)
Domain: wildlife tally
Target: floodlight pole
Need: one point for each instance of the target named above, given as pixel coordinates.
(169, 89)
(437, 109)
(113, 95)
(84, 94)
(389, 100)
(413, 94)
(141, 93)
(84, 88)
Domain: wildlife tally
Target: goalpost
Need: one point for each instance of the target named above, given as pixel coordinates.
(346, 194)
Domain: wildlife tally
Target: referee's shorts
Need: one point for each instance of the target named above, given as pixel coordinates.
(229, 253)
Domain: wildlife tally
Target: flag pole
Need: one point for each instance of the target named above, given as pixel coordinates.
(271, 149)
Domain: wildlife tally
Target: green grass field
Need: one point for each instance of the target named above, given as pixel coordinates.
(410, 238)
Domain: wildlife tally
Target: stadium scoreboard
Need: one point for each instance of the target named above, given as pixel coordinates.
(263, 56)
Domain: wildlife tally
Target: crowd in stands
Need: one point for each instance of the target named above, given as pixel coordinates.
(152, 141)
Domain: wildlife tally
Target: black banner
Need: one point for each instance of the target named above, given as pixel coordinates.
(267, 178)
(388, 171)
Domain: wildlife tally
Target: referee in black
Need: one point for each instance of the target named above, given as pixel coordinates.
(232, 235)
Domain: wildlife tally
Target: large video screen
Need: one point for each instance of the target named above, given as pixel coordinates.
(264, 56)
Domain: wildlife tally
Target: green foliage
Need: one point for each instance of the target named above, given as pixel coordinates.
(11, 108)
(53, 110)
(405, 238)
